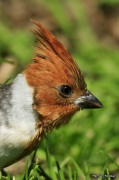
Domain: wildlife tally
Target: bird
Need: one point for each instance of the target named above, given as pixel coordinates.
(45, 95)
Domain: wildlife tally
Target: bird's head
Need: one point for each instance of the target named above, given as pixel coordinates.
(59, 87)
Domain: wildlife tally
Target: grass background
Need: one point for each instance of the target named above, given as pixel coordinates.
(87, 147)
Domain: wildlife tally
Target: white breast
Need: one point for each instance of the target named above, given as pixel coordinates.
(18, 125)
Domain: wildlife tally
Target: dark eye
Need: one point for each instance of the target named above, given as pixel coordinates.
(65, 91)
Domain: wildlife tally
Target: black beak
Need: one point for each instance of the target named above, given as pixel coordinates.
(88, 101)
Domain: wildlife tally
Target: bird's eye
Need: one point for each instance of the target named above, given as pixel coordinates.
(65, 91)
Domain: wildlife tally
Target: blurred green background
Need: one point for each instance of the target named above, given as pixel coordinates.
(88, 146)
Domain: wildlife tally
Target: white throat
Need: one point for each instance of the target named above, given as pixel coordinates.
(22, 114)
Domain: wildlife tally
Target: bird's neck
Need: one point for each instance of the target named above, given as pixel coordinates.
(16, 102)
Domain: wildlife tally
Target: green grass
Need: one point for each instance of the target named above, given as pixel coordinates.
(88, 147)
